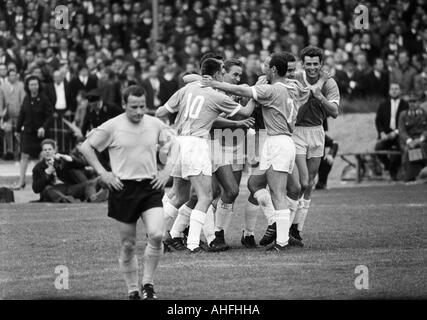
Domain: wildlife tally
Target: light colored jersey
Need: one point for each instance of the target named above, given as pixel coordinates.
(132, 147)
(312, 113)
(280, 102)
(198, 107)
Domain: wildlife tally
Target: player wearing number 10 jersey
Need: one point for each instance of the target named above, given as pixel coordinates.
(197, 108)
(278, 152)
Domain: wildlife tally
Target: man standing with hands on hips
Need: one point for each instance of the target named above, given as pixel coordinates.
(136, 188)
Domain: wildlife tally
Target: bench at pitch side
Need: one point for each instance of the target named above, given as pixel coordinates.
(360, 160)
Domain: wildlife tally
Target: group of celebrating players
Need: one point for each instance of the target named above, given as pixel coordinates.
(214, 138)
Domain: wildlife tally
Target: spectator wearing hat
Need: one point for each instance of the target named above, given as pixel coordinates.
(413, 138)
(98, 111)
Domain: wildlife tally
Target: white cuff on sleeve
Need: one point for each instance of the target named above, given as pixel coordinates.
(254, 93)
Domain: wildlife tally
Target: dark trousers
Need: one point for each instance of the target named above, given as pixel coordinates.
(412, 169)
(69, 193)
(391, 163)
(324, 169)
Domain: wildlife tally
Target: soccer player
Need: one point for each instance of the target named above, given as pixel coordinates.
(229, 136)
(183, 200)
(309, 135)
(227, 162)
(257, 182)
(197, 108)
(136, 188)
(278, 153)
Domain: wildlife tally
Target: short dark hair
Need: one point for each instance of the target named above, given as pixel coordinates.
(311, 51)
(133, 90)
(279, 61)
(48, 141)
(81, 66)
(232, 62)
(210, 67)
(289, 56)
(210, 55)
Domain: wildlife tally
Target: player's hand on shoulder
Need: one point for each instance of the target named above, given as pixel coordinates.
(262, 80)
(325, 74)
(160, 180)
(109, 180)
(317, 92)
(207, 81)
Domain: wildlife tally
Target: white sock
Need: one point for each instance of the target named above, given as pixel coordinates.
(282, 226)
(209, 226)
(129, 269)
(251, 213)
(222, 214)
(152, 257)
(305, 204)
(264, 199)
(170, 213)
(293, 207)
(197, 220)
(181, 221)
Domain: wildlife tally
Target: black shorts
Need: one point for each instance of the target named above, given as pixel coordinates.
(135, 198)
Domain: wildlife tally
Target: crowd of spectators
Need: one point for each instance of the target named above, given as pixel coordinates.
(109, 45)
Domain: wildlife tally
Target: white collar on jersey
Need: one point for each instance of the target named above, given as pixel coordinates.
(304, 77)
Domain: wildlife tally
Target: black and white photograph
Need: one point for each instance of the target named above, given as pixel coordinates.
(213, 155)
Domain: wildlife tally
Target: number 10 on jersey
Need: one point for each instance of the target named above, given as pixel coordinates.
(193, 106)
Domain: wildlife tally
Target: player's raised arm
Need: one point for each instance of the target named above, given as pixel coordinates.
(221, 123)
(239, 90)
(171, 106)
(188, 78)
(248, 109)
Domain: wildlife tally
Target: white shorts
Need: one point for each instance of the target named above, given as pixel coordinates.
(194, 157)
(309, 141)
(278, 152)
(229, 155)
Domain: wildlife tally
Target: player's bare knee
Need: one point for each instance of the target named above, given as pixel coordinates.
(253, 186)
(304, 185)
(293, 190)
(205, 198)
(216, 193)
(231, 194)
(155, 236)
(128, 246)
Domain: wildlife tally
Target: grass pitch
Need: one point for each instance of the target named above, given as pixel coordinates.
(382, 228)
